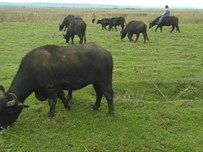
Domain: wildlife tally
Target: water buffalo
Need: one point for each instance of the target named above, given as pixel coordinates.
(167, 21)
(135, 27)
(50, 69)
(117, 21)
(104, 22)
(76, 27)
(65, 22)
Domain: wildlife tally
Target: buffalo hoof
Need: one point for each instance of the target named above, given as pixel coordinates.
(94, 108)
(67, 107)
(50, 114)
(111, 113)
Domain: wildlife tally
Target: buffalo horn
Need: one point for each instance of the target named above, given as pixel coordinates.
(15, 102)
(20, 104)
(12, 102)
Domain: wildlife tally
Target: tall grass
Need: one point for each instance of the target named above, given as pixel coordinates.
(57, 15)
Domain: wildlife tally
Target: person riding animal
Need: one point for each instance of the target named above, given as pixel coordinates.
(166, 13)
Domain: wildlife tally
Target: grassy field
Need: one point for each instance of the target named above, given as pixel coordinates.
(158, 86)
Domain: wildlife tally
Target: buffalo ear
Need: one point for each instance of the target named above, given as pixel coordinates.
(2, 90)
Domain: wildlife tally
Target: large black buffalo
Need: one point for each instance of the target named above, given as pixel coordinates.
(167, 21)
(104, 22)
(50, 69)
(135, 27)
(76, 27)
(117, 21)
(65, 22)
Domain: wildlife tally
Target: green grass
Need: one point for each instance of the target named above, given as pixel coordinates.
(143, 121)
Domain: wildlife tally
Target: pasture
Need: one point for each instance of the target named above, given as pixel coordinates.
(158, 86)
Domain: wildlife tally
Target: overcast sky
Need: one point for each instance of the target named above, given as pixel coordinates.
(195, 3)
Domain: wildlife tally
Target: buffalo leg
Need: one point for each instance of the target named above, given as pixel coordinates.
(160, 28)
(130, 37)
(145, 37)
(81, 39)
(99, 95)
(52, 105)
(70, 95)
(72, 38)
(110, 28)
(122, 26)
(172, 28)
(156, 28)
(67, 36)
(52, 98)
(137, 37)
(66, 102)
(108, 93)
(177, 28)
(84, 38)
(115, 27)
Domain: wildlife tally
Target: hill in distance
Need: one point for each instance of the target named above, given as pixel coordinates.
(81, 5)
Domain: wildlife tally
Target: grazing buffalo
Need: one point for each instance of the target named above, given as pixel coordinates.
(50, 69)
(167, 21)
(117, 21)
(135, 27)
(76, 27)
(65, 22)
(104, 22)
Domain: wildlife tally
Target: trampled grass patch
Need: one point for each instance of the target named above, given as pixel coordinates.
(157, 93)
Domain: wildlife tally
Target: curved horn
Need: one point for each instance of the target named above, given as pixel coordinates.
(20, 104)
(12, 102)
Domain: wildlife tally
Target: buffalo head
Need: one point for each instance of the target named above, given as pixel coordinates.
(98, 21)
(10, 108)
(67, 37)
(151, 24)
(123, 33)
(61, 27)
